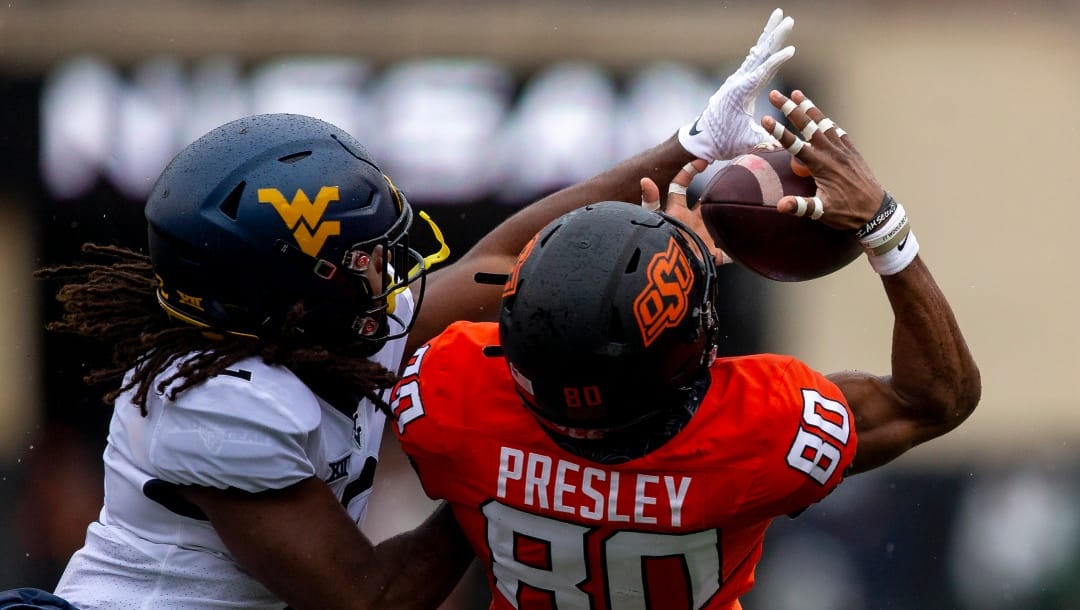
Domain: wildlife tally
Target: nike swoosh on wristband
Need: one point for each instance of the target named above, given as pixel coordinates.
(694, 130)
(903, 242)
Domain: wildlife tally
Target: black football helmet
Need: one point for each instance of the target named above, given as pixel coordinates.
(273, 210)
(609, 313)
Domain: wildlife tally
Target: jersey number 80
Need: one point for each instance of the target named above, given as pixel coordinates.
(545, 561)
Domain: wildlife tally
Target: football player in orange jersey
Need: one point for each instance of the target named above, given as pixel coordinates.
(596, 452)
(252, 347)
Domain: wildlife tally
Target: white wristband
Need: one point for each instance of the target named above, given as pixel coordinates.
(890, 245)
(896, 260)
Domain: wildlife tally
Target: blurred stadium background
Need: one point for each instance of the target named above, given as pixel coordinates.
(965, 110)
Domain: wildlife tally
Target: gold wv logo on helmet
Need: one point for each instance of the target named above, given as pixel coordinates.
(304, 216)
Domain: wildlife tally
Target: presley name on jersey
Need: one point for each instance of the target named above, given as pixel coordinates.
(680, 527)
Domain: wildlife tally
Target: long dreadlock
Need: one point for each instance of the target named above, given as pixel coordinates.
(116, 303)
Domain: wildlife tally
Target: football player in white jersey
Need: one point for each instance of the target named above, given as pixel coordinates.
(252, 347)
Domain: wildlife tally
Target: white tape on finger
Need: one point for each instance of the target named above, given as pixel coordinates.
(812, 205)
(652, 206)
(676, 189)
(806, 105)
(797, 146)
(778, 131)
(690, 169)
(788, 107)
(809, 130)
(826, 124)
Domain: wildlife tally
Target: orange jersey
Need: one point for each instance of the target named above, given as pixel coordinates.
(680, 527)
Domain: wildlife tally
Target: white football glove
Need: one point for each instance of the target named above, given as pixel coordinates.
(727, 127)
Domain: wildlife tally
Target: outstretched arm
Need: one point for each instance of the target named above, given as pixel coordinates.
(935, 383)
(301, 544)
(452, 294)
(425, 563)
(725, 129)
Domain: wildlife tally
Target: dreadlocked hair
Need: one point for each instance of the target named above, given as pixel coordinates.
(115, 303)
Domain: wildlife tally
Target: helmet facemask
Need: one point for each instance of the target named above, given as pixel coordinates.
(374, 272)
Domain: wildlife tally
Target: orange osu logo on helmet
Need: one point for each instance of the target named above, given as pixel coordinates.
(665, 300)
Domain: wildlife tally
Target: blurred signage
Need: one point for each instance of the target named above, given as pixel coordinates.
(450, 130)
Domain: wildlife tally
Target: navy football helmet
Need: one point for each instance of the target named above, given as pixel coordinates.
(275, 210)
(609, 314)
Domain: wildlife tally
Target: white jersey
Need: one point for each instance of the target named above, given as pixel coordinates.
(255, 428)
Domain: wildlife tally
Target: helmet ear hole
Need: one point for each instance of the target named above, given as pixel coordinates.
(632, 264)
(230, 206)
(293, 158)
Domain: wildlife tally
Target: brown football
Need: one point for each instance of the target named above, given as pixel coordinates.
(739, 208)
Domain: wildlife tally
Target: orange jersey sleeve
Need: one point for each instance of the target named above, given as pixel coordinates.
(679, 527)
(445, 399)
(793, 418)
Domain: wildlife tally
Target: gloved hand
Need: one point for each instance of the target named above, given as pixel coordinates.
(727, 127)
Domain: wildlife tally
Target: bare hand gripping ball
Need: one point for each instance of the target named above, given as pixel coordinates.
(739, 208)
